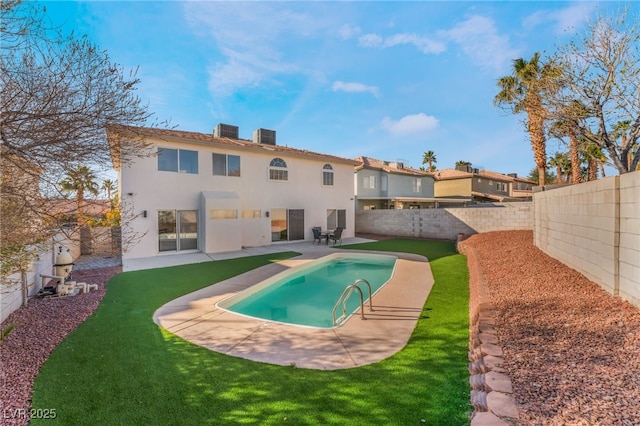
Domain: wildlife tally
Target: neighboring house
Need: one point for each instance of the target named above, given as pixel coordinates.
(215, 192)
(481, 185)
(392, 185)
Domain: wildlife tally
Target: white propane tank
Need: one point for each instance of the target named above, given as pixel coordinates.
(64, 263)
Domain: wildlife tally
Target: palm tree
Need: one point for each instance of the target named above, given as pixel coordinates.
(563, 166)
(110, 187)
(80, 180)
(523, 91)
(595, 159)
(568, 125)
(429, 158)
(463, 165)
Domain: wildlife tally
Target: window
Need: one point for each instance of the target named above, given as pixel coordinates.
(178, 160)
(177, 230)
(251, 214)
(336, 219)
(369, 182)
(384, 182)
(224, 214)
(327, 175)
(226, 165)
(278, 170)
(417, 185)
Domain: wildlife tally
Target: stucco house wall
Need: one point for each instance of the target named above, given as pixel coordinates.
(146, 190)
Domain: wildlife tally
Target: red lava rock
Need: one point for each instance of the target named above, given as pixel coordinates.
(572, 351)
(40, 327)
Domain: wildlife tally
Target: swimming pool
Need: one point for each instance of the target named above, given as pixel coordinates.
(306, 294)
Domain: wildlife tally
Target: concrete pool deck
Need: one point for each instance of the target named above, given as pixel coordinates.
(386, 330)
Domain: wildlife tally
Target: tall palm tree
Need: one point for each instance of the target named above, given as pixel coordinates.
(80, 180)
(523, 91)
(429, 158)
(596, 159)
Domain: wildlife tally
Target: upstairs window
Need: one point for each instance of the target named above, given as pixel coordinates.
(417, 185)
(369, 182)
(327, 175)
(178, 160)
(278, 170)
(226, 165)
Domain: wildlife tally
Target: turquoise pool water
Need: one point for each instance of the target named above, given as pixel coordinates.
(306, 295)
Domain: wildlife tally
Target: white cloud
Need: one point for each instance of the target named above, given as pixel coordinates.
(409, 124)
(347, 32)
(370, 40)
(566, 19)
(248, 38)
(424, 44)
(341, 86)
(479, 39)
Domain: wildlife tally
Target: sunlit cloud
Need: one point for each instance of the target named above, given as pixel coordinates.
(409, 124)
(341, 86)
(479, 40)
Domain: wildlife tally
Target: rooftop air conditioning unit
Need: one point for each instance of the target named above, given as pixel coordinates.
(264, 136)
(226, 131)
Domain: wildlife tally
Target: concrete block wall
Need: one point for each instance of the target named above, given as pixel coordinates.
(629, 255)
(446, 223)
(594, 228)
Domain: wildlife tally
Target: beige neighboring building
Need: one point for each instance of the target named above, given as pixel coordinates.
(216, 192)
(482, 185)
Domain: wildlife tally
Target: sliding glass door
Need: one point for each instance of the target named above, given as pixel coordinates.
(177, 230)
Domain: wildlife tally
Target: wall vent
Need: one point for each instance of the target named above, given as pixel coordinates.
(264, 136)
(226, 131)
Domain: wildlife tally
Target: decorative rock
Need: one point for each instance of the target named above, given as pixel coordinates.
(487, 419)
(502, 405)
(498, 382)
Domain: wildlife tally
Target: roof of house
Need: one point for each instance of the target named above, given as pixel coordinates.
(389, 167)
(206, 139)
(448, 174)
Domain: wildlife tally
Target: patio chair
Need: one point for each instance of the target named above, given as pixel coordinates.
(317, 235)
(335, 237)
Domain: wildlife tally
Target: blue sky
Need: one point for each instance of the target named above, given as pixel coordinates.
(388, 80)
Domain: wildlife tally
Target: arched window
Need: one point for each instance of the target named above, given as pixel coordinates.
(327, 175)
(278, 170)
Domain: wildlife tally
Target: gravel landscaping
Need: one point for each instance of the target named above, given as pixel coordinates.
(40, 327)
(572, 351)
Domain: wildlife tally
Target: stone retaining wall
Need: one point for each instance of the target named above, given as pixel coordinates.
(491, 389)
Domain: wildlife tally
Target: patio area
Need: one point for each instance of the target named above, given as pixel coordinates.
(386, 330)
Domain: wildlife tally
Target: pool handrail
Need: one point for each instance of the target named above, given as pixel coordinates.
(345, 296)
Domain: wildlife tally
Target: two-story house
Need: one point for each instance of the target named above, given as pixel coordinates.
(392, 185)
(481, 185)
(216, 192)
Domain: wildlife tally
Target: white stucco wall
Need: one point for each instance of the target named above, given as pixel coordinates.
(144, 188)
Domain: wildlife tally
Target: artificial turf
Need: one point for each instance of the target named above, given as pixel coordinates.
(120, 368)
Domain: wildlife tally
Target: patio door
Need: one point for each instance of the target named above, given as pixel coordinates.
(177, 230)
(287, 224)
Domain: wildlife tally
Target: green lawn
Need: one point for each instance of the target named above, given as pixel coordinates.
(119, 368)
